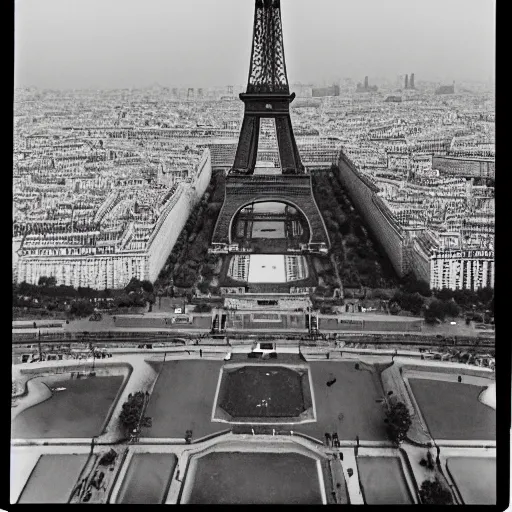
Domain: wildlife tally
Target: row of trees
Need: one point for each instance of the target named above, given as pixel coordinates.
(416, 297)
(80, 302)
(354, 253)
(398, 421)
(189, 258)
(465, 299)
(432, 310)
(132, 411)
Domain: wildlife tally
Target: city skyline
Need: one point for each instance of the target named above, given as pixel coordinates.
(101, 45)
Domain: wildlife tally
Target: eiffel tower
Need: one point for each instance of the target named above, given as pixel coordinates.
(268, 96)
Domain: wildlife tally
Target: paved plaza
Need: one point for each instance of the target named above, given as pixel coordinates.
(182, 400)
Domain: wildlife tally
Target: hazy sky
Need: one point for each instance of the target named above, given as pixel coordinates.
(135, 43)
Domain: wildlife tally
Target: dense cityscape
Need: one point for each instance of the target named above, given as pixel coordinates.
(261, 293)
(97, 173)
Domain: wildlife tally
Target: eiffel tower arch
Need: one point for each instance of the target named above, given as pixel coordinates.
(268, 96)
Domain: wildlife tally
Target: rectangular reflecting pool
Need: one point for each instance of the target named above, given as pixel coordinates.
(383, 481)
(254, 478)
(475, 477)
(452, 409)
(78, 410)
(262, 392)
(147, 479)
(53, 479)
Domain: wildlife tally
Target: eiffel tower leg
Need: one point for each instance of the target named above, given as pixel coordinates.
(247, 150)
(288, 152)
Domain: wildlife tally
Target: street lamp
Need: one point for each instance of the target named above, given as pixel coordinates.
(39, 345)
(91, 348)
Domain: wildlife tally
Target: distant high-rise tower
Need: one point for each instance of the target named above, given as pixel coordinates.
(412, 80)
(230, 90)
(366, 82)
(407, 81)
(190, 92)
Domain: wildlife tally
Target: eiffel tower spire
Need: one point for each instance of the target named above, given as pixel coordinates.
(267, 72)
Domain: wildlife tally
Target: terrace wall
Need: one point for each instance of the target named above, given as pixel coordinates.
(250, 321)
(339, 324)
(147, 322)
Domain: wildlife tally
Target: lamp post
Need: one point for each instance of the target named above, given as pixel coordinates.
(91, 348)
(39, 345)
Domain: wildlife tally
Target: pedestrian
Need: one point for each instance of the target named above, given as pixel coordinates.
(200, 352)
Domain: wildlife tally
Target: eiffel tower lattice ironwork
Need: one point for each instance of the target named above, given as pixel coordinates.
(268, 94)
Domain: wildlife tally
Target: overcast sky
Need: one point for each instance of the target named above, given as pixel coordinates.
(201, 43)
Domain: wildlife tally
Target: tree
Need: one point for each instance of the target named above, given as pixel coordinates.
(485, 295)
(411, 284)
(147, 286)
(47, 281)
(435, 311)
(444, 294)
(81, 308)
(394, 308)
(107, 293)
(465, 298)
(133, 286)
(132, 410)
(86, 292)
(398, 421)
(28, 289)
(412, 302)
(451, 308)
(351, 240)
(203, 287)
(433, 493)
(203, 308)
(108, 458)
